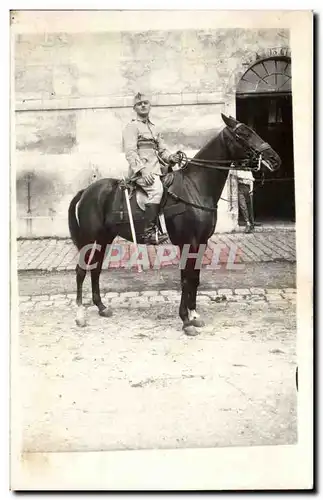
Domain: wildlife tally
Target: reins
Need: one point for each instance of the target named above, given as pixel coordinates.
(237, 164)
(215, 164)
(240, 164)
(185, 161)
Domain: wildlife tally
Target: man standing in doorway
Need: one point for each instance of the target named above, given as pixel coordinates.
(245, 198)
(148, 158)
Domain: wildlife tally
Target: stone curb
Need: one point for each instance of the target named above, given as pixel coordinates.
(137, 299)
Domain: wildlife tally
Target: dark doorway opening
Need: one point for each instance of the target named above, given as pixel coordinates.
(270, 115)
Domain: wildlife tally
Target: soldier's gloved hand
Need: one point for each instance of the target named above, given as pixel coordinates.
(148, 178)
(175, 158)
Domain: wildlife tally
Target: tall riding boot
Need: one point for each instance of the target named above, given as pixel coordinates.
(151, 233)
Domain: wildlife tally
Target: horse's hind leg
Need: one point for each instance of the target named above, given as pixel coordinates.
(80, 314)
(95, 280)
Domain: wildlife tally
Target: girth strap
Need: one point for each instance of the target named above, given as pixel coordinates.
(179, 198)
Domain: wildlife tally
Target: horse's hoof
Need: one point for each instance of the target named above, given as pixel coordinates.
(190, 330)
(222, 298)
(199, 323)
(106, 313)
(80, 322)
(80, 319)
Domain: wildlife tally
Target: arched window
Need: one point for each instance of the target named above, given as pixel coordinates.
(269, 75)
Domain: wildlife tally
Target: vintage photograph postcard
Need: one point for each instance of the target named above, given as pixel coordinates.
(161, 250)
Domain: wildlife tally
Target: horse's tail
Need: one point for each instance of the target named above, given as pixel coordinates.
(72, 221)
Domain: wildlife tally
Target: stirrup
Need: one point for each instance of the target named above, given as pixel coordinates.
(155, 238)
(161, 237)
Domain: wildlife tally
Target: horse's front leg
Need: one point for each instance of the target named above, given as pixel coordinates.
(193, 316)
(185, 310)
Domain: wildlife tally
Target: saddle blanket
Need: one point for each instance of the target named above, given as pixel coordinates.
(138, 199)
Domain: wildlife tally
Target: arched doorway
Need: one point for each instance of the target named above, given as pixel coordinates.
(264, 102)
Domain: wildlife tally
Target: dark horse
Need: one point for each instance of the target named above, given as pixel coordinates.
(198, 188)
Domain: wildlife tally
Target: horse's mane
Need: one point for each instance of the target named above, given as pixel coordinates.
(209, 143)
(188, 181)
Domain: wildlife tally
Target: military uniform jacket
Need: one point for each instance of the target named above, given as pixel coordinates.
(143, 144)
(245, 177)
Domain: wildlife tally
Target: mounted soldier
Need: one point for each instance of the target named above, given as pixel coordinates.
(148, 159)
(94, 213)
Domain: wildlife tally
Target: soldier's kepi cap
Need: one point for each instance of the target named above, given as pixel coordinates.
(139, 98)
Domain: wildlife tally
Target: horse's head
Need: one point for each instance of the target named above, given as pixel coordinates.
(247, 141)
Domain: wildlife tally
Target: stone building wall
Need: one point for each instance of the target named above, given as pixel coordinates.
(73, 95)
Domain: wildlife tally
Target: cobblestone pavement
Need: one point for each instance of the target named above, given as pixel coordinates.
(135, 299)
(260, 246)
(136, 381)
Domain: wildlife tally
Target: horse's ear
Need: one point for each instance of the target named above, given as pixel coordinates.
(229, 121)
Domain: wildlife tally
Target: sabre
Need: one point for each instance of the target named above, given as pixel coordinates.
(132, 226)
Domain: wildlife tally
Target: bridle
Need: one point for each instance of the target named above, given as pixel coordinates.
(252, 162)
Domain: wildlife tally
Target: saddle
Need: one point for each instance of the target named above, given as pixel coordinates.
(168, 207)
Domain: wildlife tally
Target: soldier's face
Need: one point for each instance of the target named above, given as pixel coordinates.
(142, 108)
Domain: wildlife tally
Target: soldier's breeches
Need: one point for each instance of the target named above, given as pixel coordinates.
(154, 191)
